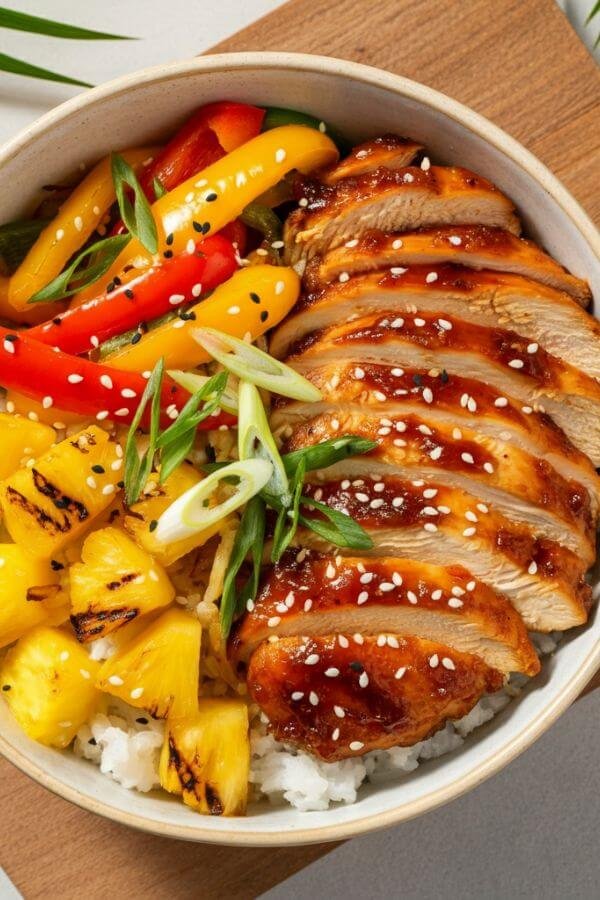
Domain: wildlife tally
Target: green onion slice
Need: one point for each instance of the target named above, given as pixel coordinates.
(193, 382)
(255, 440)
(251, 364)
(192, 513)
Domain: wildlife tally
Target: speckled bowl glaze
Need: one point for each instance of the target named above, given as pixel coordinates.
(361, 102)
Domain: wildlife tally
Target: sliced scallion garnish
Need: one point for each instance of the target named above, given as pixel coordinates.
(249, 539)
(72, 279)
(136, 215)
(255, 440)
(252, 364)
(193, 381)
(192, 512)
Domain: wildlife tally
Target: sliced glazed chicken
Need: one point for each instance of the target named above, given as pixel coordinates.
(521, 487)
(499, 358)
(454, 402)
(473, 246)
(445, 526)
(389, 151)
(343, 695)
(535, 312)
(385, 597)
(392, 200)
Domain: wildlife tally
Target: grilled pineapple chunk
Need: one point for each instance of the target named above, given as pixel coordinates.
(115, 582)
(47, 506)
(159, 669)
(30, 593)
(48, 682)
(22, 440)
(144, 515)
(206, 758)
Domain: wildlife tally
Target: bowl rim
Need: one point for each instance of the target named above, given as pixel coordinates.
(511, 148)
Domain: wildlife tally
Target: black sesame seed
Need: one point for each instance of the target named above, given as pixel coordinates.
(57, 321)
(210, 197)
(444, 377)
(417, 380)
(356, 666)
(211, 453)
(11, 337)
(153, 525)
(99, 470)
(61, 503)
(264, 315)
(120, 484)
(169, 239)
(206, 228)
(92, 741)
(136, 338)
(129, 293)
(254, 297)
(55, 565)
(117, 280)
(187, 316)
(168, 254)
(142, 720)
(6, 687)
(110, 287)
(142, 327)
(197, 226)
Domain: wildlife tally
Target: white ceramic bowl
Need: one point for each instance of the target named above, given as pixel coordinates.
(360, 102)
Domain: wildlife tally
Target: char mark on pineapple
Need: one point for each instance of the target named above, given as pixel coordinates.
(91, 624)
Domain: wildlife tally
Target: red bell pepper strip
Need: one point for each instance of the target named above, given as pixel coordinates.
(74, 383)
(153, 292)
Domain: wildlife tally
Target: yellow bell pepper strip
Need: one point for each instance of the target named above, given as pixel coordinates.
(31, 315)
(34, 410)
(252, 301)
(79, 216)
(218, 194)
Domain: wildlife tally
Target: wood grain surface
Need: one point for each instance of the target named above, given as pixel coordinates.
(517, 62)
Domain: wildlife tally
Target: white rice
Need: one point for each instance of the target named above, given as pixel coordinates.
(128, 750)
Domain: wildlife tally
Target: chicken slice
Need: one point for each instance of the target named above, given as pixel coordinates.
(326, 595)
(452, 401)
(389, 151)
(521, 487)
(392, 200)
(340, 700)
(445, 526)
(442, 342)
(538, 313)
(474, 246)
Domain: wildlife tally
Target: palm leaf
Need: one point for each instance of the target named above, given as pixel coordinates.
(18, 67)
(594, 12)
(19, 21)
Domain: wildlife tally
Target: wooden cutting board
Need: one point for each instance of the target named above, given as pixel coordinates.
(517, 62)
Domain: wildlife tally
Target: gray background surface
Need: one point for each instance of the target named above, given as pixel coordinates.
(531, 831)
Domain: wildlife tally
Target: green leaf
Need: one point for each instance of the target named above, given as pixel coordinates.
(327, 453)
(157, 187)
(593, 12)
(19, 21)
(250, 539)
(19, 67)
(17, 239)
(339, 529)
(138, 469)
(106, 250)
(137, 216)
(288, 516)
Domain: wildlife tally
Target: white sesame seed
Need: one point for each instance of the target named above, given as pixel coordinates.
(427, 395)
(362, 598)
(358, 639)
(396, 372)
(191, 246)
(532, 348)
(471, 405)
(435, 453)
(470, 516)
(273, 621)
(398, 322)
(307, 605)
(392, 642)
(377, 503)
(457, 591)
(136, 693)
(335, 734)
(419, 322)
(429, 526)
(280, 155)
(380, 396)
(400, 426)
(412, 597)
(339, 712)
(431, 277)
(363, 680)
(356, 745)
(457, 434)
(297, 695)
(397, 502)
(397, 244)
(312, 659)
(352, 243)
(108, 489)
(430, 511)
(74, 378)
(430, 493)
(60, 233)
(399, 673)
(115, 680)
(343, 641)
(122, 411)
(445, 324)
(471, 585)
(344, 277)
(488, 468)
(106, 381)
(408, 178)
(397, 579)
(103, 414)
(443, 509)
(233, 310)
(500, 402)
(362, 497)
(455, 603)
(78, 223)
(313, 699)
(280, 287)
(303, 202)
(516, 363)
(527, 410)
(448, 663)
(379, 487)
(128, 393)
(64, 655)
(532, 569)
(359, 373)
(437, 594)
(386, 586)
(434, 661)
(469, 532)
(367, 577)
(85, 674)
(91, 482)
